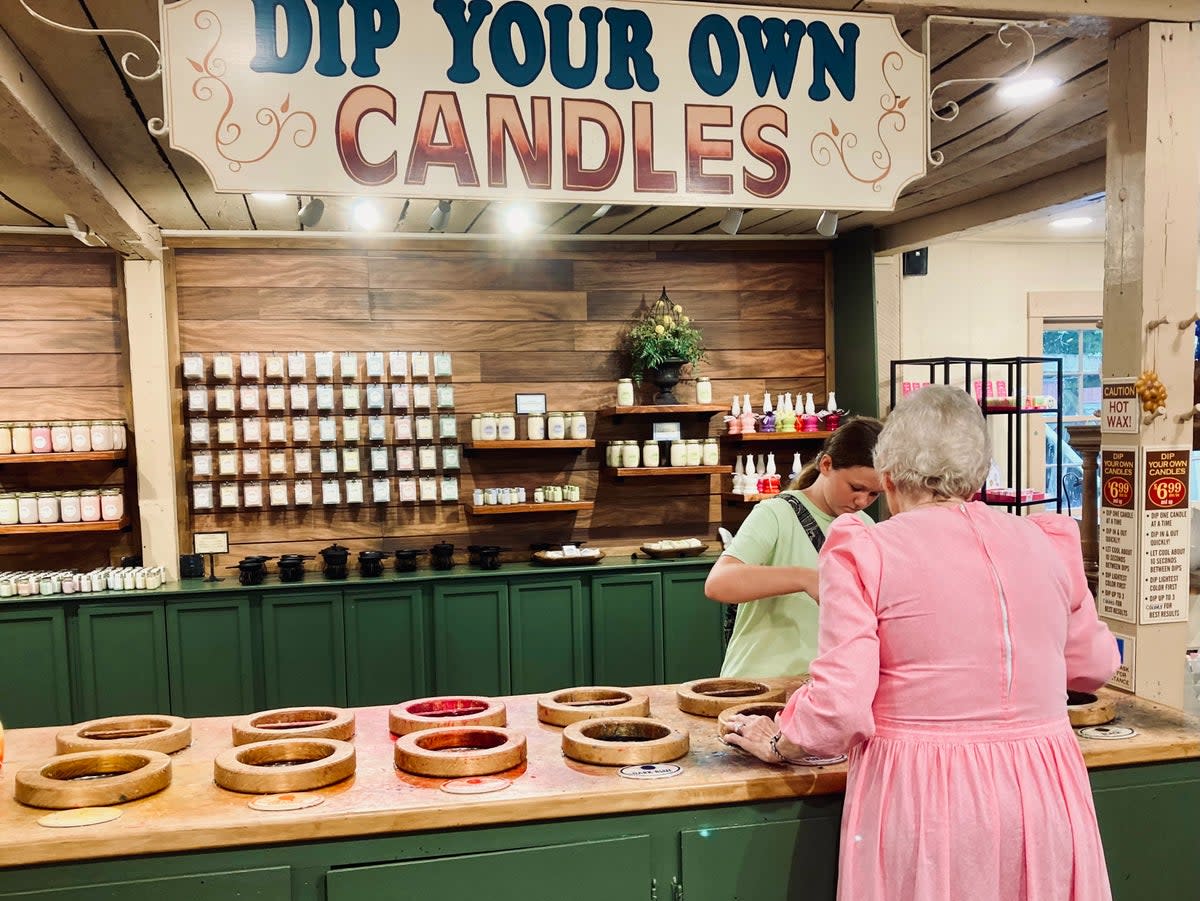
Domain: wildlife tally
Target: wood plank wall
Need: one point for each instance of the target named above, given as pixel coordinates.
(62, 357)
(530, 320)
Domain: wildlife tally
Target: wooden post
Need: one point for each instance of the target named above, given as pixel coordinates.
(1152, 181)
(1085, 441)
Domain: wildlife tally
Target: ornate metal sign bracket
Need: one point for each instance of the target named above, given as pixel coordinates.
(1008, 33)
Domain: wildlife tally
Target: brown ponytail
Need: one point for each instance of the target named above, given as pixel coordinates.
(853, 444)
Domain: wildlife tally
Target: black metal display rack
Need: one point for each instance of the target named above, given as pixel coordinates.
(964, 372)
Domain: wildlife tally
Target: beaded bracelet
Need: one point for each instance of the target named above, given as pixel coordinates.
(779, 754)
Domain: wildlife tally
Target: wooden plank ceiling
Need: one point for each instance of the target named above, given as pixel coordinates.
(993, 146)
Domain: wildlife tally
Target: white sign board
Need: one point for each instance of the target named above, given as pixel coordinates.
(1119, 533)
(1119, 409)
(646, 102)
(1123, 678)
(1166, 535)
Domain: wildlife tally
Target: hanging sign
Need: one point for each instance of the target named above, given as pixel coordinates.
(647, 102)
(1120, 410)
(1119, 533)
(1166, 535)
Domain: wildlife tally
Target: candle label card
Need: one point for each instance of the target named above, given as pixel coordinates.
(350, 459)
(375, 364)
(351, 397)
(450, 456)
(404, 459)
(323, 364)
(324, 397)
(197, 400)
(331, 492)
(252, 430)
(193, 366)
(427, 457)
(441, 365)
(329, 459)
(198, 431)
(202, 464)
(379, 459)
(249, 399)
(327, 429)
(445, 396)
(398, 364)
(251, 462)
(276, 397)
(304, 495)
(420, 364)
(349, 365)
(301, 430)
(447, 426)
(402, 427)
(227, 431)
(277, 431)
(278, 492)
(223, 399)
(421, 396)
(424, 428)
(202, 496)
(375, 396)
(376, 428)
(222, 366)
(252, 495)
(351, 429)
(249, 367)
(229, 494)
(400, 396)
(297, 366)
(429, 488)
(299, 397)
(449, 488)
(354, 491)
(408, 490)
(277, 463)
(227, 463)
(302, 460)
(381, 490)
(274, 366)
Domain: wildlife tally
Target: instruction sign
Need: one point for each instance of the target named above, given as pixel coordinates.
(1119, 407)
(1119, 533)
(1165, 548)
(1124, 676)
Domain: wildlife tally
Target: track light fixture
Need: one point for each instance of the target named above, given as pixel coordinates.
(827, 223)
(731, 221)
(403, 215)
(83, 232)
(310, 214)
(440, 216)
(602, 211)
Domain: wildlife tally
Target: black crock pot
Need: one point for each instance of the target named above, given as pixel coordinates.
(442, 555)
(485, 556)
(251, 570)
(335, 557)
(406, 559)
(291, 567)
(370, 563)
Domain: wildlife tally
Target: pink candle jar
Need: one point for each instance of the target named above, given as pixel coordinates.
(60, 437)
(89, 505)
(832, 421)
(112, 504)
(809, 422)
(81, 437)
(39, 437)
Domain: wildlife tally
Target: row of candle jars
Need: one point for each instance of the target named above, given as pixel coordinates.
(626, 396)
(538, 426)
(76, 437)
(543, 494)
(109, 578)
(84, 505)
(691, 452)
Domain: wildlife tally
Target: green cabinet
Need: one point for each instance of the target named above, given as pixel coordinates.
(547, 629)
(122, 659)
(387, 638)
(34, 668)
(470, 638)
(627, 634)
(267, 884)
(210, 656)
(692, 642)
(304, 648)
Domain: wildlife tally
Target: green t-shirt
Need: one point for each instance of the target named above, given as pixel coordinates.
(775, 636)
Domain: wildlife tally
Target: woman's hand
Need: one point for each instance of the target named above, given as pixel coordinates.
(753, 735)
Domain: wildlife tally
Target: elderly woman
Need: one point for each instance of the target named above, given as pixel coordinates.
(948, 637)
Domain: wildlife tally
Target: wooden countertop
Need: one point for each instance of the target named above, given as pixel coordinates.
(193, 813)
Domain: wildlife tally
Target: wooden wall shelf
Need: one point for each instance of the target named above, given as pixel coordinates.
(526, 444)
(747, 498)
(623, 472)
(509, 509)
(84, 457)
(664, 410)
(779, 436)
(61, 527)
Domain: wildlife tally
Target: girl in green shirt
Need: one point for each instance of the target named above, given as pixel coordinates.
(770, 568)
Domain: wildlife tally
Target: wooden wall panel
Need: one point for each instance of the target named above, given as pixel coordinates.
(62, 357)
(533, 319)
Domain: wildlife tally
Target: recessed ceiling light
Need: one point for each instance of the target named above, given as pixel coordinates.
(1027, 88)
(517, 219)
(366, 214)
(269, 196)
(1071, 222)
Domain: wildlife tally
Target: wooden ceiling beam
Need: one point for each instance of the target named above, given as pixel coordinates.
(1154, 10)
(36, 130)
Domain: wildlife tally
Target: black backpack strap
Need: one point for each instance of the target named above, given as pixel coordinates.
(815, 535)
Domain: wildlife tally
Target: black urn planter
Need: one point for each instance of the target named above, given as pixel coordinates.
(666, 376)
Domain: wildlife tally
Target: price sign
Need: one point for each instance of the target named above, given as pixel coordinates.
(1119, 534)
(1166, 536)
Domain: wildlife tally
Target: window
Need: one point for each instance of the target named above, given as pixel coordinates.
(1079, 344)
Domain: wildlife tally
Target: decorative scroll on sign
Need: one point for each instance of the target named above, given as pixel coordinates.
(647, 102)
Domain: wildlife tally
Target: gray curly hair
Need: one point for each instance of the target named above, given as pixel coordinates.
(935, 441)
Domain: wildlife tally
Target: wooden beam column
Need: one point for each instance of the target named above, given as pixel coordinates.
(151, 323)
(1152, 183)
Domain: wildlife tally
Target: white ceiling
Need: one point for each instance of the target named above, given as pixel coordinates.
(1041, 227)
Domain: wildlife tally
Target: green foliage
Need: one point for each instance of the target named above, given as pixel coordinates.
(664, 332)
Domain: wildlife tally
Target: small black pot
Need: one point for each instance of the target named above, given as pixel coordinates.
(406, 560)
(370, 563)
(485, 556)
(442, 556)
(251, 570)
(335, 557)
(291, 567)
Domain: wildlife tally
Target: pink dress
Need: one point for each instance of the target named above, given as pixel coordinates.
(948, 637)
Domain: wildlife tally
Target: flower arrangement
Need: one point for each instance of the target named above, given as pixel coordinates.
(663, 334)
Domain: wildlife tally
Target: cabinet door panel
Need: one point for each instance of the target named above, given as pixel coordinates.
(548, 647)
(122, 659)
(34, 668)
(268, 884)
(304, 648)
(794, 860)
(470, 638)
(692, 645)
(627, 629)
(211, 657)
(386, 641)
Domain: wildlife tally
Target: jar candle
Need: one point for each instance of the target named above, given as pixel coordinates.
(556, 426)
(5, 438)
(630, 454)
(60, 438)
(8, 588)
(624, 392)
(27, 508)
(40, 436)
(81, 437)
(47, 507)
(112, 504)
(506, 427)
(711, 452)
(476, 420)
(9, 514)
(22, 438)
(487, 427)
(101, 435)
(678, 453)
(612, 453)
(89, 505)
(650, 453)
(695, 452)
(117, 429)
(477, 497)
(68, 506)
(703, 391)
(535, 427)
(489, 496)
(578, 426)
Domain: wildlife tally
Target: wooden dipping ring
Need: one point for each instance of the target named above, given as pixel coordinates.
(152, 732)
(460, 751)
(294, 722)
(284, 765)
(442, 713)
(708, 697)
(623, 740)
(93, 779)
(574, 704)
(1088, 710)
(754, 708)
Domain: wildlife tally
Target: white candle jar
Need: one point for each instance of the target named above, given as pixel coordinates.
(27, 508)
(678, 453)
(711, 452)
(624, 392)
(112, 504)
(22, 438)
(47, 507)
(81, 437)
(89, 505)
(68, 506)
(60, 437)
(101, 435)
(703, 391)
(535, 427)
(506, 427)
(5, 438)
(630, 454)
(578, 426)
(650, 453)
(9, 511)
(487, 427)
(556, 426)
(695, 452)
